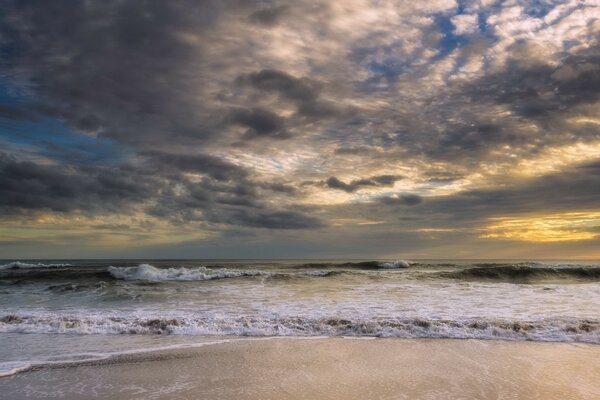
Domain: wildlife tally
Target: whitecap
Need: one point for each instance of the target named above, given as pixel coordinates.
(395, 264)
(24, 265)
(147, 272)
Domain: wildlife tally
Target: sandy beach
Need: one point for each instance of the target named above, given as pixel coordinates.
(328, 368)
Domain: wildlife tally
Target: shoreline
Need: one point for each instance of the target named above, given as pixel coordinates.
(287, 367)
(180, 350)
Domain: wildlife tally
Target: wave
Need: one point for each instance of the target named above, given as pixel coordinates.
(525, 273)
(396, 264)
(561, 265)
(9, 368)
(29, 272)
(360, 265)
(147, 272)
(69, 279)
(561, 330)
(24, 265)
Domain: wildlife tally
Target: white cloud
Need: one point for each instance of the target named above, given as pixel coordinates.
(465, 24)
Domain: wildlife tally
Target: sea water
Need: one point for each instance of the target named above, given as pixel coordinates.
(68, 311)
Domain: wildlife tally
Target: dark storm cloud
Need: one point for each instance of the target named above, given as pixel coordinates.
(304, 92)
(380, 180)
(301, 89)
(260, 123)
(27, 185)
(134, 71)
(120, 67)
(225, 196)
(217, 199)
(215, 167)
(233, 205)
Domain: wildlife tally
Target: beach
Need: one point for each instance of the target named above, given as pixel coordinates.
(327, 368)
(299, 329)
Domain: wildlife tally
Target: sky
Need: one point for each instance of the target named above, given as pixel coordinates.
(368, 129)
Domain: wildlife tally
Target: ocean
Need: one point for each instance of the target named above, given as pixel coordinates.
(69, 311)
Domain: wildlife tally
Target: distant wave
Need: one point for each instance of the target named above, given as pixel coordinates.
(562, 330)
(559, 265)
(360, 265)
(525, 273)
(24, 265)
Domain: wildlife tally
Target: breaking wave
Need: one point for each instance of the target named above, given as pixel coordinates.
(395, 264)
(24, 265)
(563, 330)
(147, 272)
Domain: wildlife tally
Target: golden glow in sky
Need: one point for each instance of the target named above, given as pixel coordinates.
(565, 227)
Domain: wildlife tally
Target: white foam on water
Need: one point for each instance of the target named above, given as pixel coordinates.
(24, 265)
(14, 367)
(147, 272)
(396, 264)
(565, 330)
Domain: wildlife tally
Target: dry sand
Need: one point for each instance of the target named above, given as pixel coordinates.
(333, 368)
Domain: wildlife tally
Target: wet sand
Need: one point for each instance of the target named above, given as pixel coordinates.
(335, 368)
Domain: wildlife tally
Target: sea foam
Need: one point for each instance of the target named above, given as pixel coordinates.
(24, 265)
(556, 329)
(395, 264)
(147, 272)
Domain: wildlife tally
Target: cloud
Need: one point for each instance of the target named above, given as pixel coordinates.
(276, 220)
(217, 114)
(465, 24)
(215, 167)
(30, 186)
(303, 92)
(300, 89)
(403, 199)
(269, 16)
(357, 184)
(260, 123)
